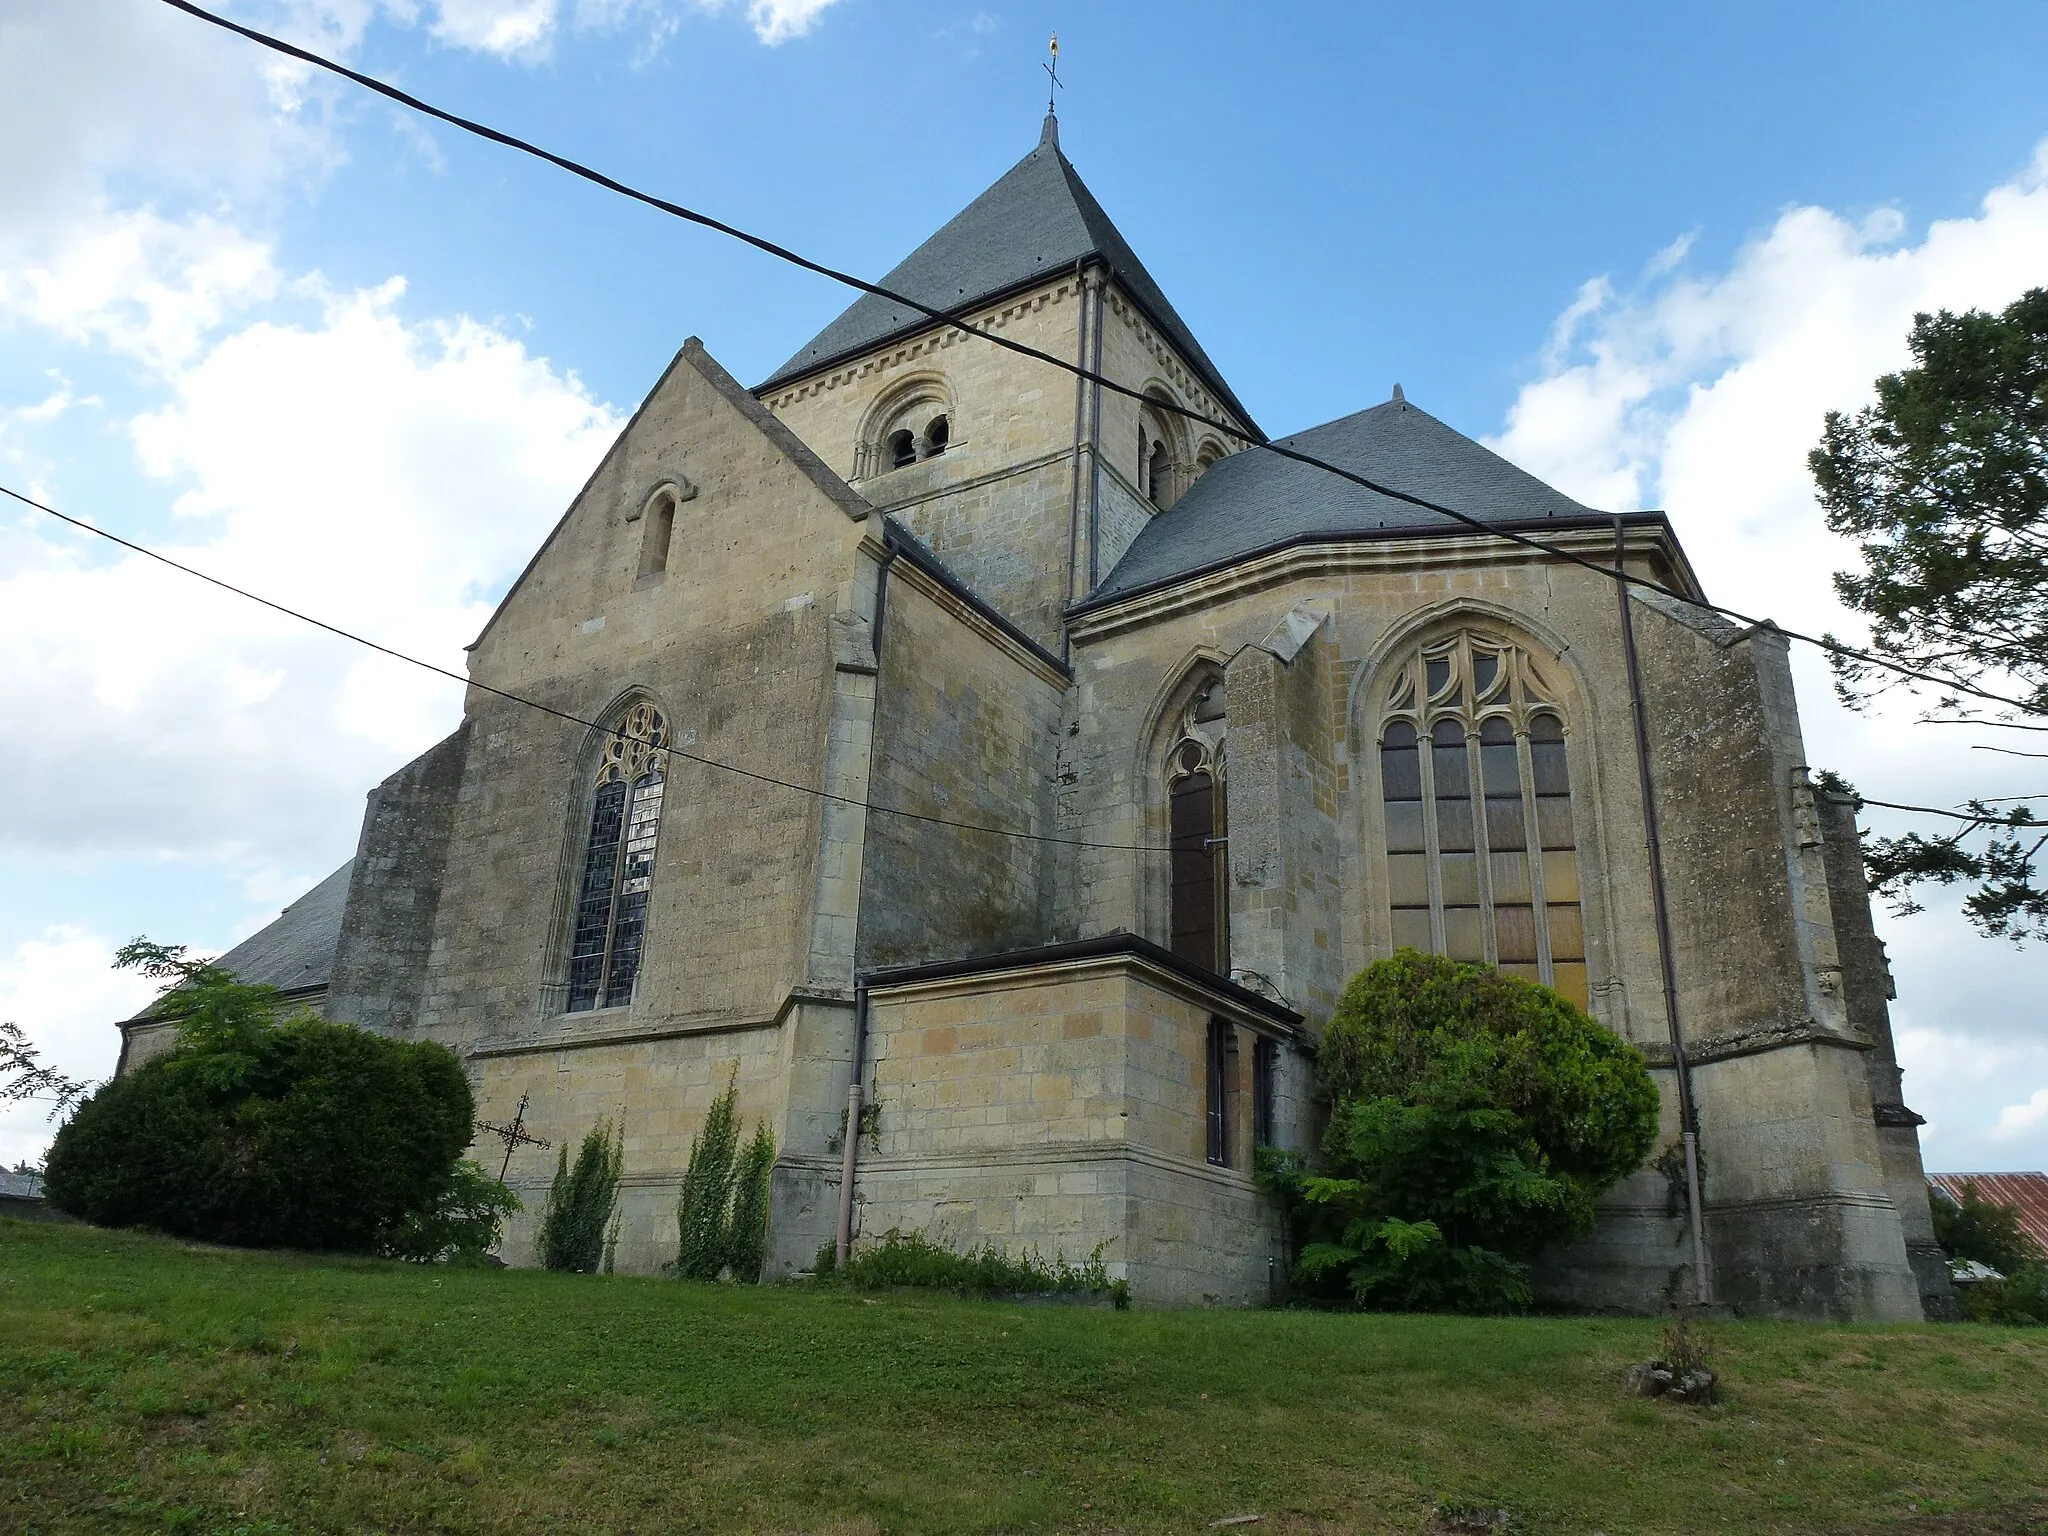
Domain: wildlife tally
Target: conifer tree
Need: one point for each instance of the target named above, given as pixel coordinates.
(747, 1244)
(581, 1201)
(703, 1211)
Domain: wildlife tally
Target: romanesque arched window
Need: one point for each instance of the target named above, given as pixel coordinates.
(910, 422)
(618, 862)
(1481, 860)
(1197, 826)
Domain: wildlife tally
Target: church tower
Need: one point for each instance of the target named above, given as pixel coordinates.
(1028, 483)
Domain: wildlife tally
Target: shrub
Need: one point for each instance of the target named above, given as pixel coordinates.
(581, 1200)
(461, 1226)
(722, 1214)
(1474, 1118)
(1990, 1233)
(702, 1210)
(912, 1259)
(747, 1233)
(1980, 1229)
(301, 1134)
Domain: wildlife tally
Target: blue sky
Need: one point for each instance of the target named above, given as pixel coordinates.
(362, 362)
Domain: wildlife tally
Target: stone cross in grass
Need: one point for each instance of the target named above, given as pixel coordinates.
(513, 1135)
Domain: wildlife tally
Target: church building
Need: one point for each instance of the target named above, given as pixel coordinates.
(930, 729)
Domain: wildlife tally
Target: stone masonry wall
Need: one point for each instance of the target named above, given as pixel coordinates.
(380, 962)
(1060, 1107)
(967, 724)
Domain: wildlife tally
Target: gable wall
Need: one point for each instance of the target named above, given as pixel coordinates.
(735, 645)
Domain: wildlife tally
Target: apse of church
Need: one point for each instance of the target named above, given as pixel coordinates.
(1127, 745)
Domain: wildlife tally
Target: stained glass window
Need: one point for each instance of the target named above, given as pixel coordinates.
(1481, 860)
(618, 863)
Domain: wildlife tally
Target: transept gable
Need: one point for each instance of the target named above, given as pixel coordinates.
(699, 453)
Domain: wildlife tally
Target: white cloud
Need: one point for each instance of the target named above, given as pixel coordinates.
(60, 987)
(508, 28)
(144, 285)
(1702, 393)
(393, 476)
(2023, 1119)
(776, 21)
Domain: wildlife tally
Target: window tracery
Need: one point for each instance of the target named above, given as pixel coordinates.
(1482, 863)
(618, 862)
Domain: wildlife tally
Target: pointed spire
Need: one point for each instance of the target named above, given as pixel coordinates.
(1050, 133)
(1398, 396)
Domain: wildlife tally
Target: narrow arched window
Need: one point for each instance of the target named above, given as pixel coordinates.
(658, 530)
(1200, 911)
(902, 448)
(618, 862)
(1481, 860)
(937, 436)
(1156, 475)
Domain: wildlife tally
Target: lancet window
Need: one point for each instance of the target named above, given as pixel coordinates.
(1482, 864)
(618, 862)
(1197, 835)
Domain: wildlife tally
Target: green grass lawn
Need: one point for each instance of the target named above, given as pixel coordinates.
(146, 1385)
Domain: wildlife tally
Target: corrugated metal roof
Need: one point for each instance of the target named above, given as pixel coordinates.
(1038, 218)
(2026, 1192)
(1254, 501)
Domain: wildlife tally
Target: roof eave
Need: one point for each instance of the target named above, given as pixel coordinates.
(1100, 601)
(783, 379)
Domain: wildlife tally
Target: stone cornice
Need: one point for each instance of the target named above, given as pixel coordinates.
(570, 1032)
(1337, 554)
(1057, 964)
(921, 345)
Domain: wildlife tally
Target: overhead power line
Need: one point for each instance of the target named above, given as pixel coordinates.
(962, 321)
(563, 714)
(693, 757)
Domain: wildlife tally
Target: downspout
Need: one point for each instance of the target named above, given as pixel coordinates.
(1084, 288)
(850, 1153)
(1688, 1113)
(1095, 434)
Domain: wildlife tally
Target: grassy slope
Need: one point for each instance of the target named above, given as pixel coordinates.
(145, 1385)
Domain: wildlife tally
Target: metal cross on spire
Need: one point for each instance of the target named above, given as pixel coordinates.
(1053, 70)
(513, 1135)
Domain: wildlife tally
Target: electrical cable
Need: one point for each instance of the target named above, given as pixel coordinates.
(708, 762)
(562, 714)
(958, 320)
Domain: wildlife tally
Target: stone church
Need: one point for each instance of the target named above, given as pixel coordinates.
(1042, 764)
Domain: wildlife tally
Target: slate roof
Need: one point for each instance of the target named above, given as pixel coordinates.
(2028, 1192)
(1254, 501)
(295, 952)
(1037, 218)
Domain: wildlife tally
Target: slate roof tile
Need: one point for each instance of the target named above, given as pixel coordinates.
(1037, 218)
(1255, 501)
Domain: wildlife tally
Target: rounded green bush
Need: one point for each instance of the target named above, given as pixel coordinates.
(1436, 1033)
(1474, 1118)
(306, 1135)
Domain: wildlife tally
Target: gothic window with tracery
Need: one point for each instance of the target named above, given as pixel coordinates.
(1197, 822)
(618, 862)
(1481, 861)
